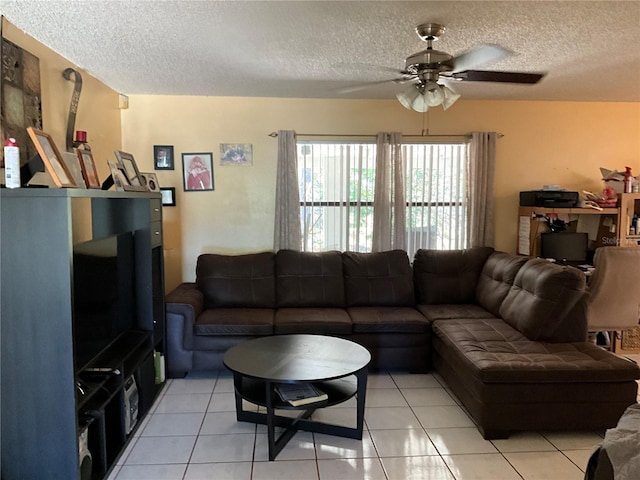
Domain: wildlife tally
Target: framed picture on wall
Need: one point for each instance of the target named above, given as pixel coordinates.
(168, 196)
(197, 171)
(52, 158)
(163, 157)
(240, 154)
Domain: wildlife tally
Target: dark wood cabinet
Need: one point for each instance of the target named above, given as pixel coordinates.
(82, 320)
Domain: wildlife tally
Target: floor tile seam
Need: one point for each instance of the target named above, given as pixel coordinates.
(581, 468)
(511, 464)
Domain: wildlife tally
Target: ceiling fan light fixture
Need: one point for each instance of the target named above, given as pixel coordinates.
(433, 94)
(408, 96)
(450, 97)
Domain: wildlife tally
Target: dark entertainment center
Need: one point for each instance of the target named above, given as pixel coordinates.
(82, 327)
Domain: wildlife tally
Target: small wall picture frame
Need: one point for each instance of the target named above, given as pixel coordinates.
(168, 196)
(163, 157)
(88, 167)
(197, 171)
(131, 171)
(52, 158)
(240, 154)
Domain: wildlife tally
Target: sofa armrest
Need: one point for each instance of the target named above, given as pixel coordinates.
(183, 305)
(185, 300)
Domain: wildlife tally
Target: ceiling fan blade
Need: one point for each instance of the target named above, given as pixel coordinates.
(477, 56)
(504, 77)
(362, 86)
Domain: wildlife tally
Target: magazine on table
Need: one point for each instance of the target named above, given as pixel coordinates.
(298, 394)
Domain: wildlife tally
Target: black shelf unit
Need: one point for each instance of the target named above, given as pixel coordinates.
(49, 395)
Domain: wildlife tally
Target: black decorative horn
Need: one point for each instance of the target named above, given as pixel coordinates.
(73, 108)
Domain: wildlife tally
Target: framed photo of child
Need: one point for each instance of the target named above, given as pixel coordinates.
(197, 170)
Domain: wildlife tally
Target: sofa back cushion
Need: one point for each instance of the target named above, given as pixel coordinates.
(496, 278)
(309, 279)
(237, 280)
(546, 302)
(378, 279)
(448, 276)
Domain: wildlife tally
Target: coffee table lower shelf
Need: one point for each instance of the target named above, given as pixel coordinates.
(262, 393)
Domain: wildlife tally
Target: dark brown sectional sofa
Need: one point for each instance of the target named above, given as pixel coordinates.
(507, 333)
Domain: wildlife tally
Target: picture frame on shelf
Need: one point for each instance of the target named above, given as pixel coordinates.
(163, 157)
(168, 196)
(150, 180)
(197, 171)
(118, 175)
(52, 158)
(88, 167)
(131, 171)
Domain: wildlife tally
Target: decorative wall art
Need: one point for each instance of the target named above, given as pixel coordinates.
(20, 104)
(236, 154)
(163, 157)
(168, 196)
(197, 170)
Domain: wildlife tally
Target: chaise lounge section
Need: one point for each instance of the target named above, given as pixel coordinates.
(507, 333)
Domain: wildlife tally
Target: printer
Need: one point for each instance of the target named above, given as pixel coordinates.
(549, 199)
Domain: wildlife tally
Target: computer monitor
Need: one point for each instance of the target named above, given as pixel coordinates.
(564, 246)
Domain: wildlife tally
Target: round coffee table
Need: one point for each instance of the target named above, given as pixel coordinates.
(336, 366)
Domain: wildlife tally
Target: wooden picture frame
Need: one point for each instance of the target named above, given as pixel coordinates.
(168, 196)
(163, 157)
(52, 158)
(197, 171)
(88, 167)
(128, 163)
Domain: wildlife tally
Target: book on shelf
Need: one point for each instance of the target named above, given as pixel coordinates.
(298, 394)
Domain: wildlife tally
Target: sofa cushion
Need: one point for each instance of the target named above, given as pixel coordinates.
(495, 352)
(237, 280)
(387, 319)
(309, 279)
(544, 297)
(379, 278)
(448, 311)
(496, 278)
(321, 321)
(235, 321)
(448, 276)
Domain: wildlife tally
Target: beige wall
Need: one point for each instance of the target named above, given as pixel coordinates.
(544, 143)
(98, 113)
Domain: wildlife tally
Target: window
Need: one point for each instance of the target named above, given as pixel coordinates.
(336, 181)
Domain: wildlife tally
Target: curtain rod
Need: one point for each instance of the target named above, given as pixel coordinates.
(275, 134)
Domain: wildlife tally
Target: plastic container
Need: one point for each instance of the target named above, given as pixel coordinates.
(11, 163)
(628, 180)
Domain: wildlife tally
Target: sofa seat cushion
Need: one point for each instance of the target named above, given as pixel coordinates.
(494, 352)
(321, 321)
(388, 319)
(448, 311)
(379, 278)
(235, 321)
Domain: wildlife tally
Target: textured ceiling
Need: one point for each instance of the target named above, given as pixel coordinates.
(590, 50)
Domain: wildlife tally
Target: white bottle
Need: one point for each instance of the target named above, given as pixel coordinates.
(11, 163)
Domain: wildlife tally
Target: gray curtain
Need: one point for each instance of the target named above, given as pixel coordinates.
(389, 204)
(481, 173)
(287, 233)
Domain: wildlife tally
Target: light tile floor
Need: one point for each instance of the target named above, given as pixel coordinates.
(415, 429)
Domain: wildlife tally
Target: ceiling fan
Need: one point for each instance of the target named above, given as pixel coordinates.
(423, 70)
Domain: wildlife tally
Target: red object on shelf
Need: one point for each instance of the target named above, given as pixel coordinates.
(81, 136)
